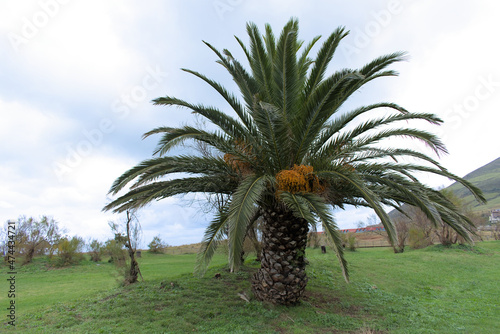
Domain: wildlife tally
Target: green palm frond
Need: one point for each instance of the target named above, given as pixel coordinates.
(226, 123)
(285, 71)
(214, 234)
(175, 136)
(230, 99)
(298, 205)
(325, 55)
(430, 140)
(378, 64)
(395, 154)
(144, 195)
(245, 82)
(368, 195)
(333, 127)
(305, 62)
(260, 62)
(321, 209)
(243, 206)
(152, 169)
(320, 107)
(419, 168)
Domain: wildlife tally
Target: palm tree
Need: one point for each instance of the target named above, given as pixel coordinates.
(290, 154)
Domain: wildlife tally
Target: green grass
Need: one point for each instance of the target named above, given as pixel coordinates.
(40, 284)
(433, 290)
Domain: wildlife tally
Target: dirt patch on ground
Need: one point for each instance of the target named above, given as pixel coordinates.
(326, 303)
(319, 300)
(109, 297)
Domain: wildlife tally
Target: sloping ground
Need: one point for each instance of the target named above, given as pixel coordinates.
(487, 178)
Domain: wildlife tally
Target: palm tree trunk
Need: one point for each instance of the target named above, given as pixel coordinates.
(281, 278)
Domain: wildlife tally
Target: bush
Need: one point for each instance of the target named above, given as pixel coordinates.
(116, 252)
(36, 237)
(349, 241)
(69, 251)
(157, 245)
(96, 250)
(418, 239)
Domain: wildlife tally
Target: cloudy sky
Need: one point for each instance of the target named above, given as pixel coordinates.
(77, 78)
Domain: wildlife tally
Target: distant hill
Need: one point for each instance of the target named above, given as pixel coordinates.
(486, 178)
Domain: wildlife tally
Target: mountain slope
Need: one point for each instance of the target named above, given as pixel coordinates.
(487, 178)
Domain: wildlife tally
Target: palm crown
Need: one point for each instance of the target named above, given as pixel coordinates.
(290, 149)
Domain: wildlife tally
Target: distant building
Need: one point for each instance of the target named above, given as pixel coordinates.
(358, 230)
(495, 216)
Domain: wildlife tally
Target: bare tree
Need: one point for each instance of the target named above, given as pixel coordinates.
(496, 232)
(313, 239)
(447, 236)
(402, 229)
(130, 238)
(4, 239)
(420, 221)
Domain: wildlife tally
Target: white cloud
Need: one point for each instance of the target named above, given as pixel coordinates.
(29, 127)
(72, 49)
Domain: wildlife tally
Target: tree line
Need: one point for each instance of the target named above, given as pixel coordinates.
(44, 237)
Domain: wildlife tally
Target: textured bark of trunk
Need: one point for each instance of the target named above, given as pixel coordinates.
(29, 256)
(281, 278)
(134, 268)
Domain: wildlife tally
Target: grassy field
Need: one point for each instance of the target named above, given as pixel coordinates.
(433, 290)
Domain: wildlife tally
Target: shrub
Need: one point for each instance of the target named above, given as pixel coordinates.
(349, 241)
(96, 250)
(157, 245)
(418, 238)
(69, 251)
(115, 251)
(36, 237)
